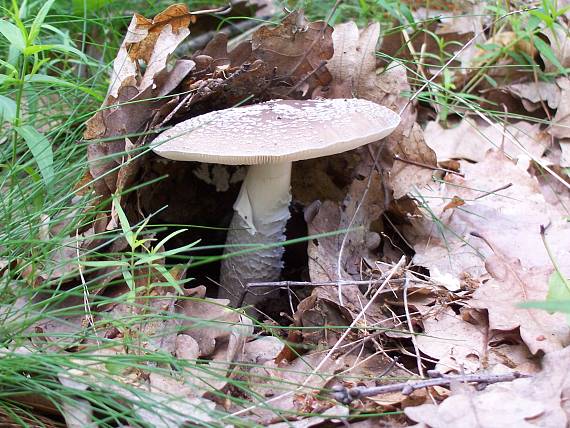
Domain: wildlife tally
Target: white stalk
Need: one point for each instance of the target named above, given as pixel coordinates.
(261, 213)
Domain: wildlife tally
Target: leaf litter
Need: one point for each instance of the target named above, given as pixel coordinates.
(463, 204)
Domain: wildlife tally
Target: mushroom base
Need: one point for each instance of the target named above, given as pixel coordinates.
(262, 265)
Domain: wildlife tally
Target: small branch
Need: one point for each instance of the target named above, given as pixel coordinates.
(288, 284)
(346, 396)
(304, 79)
(411, 328)
(223, 10)
(425, 165)
(490, 192)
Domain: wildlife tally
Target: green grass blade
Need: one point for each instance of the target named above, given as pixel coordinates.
(38, 21)
(41, 150)
(12, 34)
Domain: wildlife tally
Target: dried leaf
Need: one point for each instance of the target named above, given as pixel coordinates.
(536, 94)
(209, 322)
(478, 411)
(560, 126)
(296, 49)
(455, 202)
(471, 140)
(506, 207)
(333, 414)
(557, 53)
(512, 284)
(354, 70)
(363, 204)
(462, 344)
(411, 153)
(539, 401)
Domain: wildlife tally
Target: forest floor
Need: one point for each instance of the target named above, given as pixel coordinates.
(426, 277)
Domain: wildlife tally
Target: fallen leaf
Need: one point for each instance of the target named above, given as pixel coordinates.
(558, 40)
(461, 343)
(511, 284)
(297, 49)
(334, 414)
(262, 349)
(526, 402)
(455, 202)
(559, 128)
(186, 347)
(354, 70)
(208, 321)
(477, 411)
(413, 159)
(456, 344)
(507, 207)
(536, 94)
(471, 140)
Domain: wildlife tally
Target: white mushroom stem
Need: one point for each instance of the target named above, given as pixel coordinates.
(261, 213)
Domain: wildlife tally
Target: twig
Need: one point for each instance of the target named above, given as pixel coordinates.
(411, 328)
(306, 77)
(86, 304)
(506, 186)
(288, 284)
(346, 396)
(425, 165)
(223, 10)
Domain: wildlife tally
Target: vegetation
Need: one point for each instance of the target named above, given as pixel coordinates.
(55, 60)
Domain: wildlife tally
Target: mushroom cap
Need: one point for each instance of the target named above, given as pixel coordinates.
(277, 131)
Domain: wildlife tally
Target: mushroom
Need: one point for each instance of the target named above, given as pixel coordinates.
(269, 137)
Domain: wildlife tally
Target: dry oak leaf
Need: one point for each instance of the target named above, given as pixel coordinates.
(152, 41)
(560, 126)
(457, 344)
(535, 94)
(270, 380)
(502, 202)
(471, 140)
(135, 97)
(208, 321)
(560, 45)
(297, 49)
(491, 410)
(210, 329)
(334, 414)
(339, 257)
(460, 343)
(405, 176)
(354, 70)
(511, 284)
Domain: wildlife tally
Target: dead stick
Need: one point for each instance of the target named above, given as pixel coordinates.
(345, 395)
(506, 186)
(287, 284)
(425, 165)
